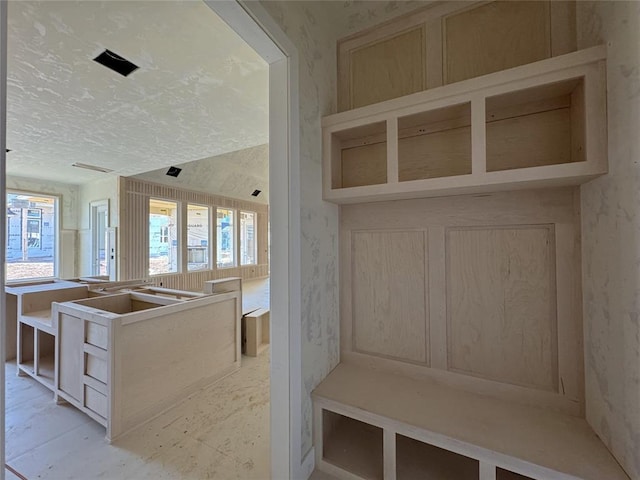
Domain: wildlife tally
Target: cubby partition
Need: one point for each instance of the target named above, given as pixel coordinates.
(542, 124)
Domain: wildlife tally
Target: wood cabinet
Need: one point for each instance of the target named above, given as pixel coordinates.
(377, 425)
(447, 42)
(537, 125)
(29, 305)
(126, 357)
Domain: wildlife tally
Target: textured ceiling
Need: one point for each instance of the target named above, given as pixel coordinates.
(234, 174)
(200, 90)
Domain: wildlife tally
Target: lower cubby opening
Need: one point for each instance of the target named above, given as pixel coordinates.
(46, 348)
(26, 343)
(416, 460)
(507, 475)
(352, 445)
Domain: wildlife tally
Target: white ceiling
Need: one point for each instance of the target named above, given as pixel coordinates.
(200, 90)
(234, 174)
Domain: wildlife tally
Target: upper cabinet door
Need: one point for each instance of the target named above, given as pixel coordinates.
(449, 42)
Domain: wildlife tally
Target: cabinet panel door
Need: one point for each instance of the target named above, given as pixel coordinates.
(501, 304)
(389, 296)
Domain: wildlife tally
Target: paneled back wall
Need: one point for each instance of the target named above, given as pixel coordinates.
(447, 42)
(479, 291)
(133, 235)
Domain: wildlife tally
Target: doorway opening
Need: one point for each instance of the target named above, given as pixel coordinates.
(250, 21)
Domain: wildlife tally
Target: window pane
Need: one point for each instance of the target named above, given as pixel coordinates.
(163, 237)
(197, 237)
(225, 238)
(247, 238)
(31, 235)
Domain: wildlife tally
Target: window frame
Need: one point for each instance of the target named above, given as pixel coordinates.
(234, 236)
(255, 237)
(210, 236)
(57, 223)
(179, 263)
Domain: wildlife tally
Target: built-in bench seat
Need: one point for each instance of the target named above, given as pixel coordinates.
(371, 424)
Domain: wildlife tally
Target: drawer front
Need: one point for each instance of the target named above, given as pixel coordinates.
(96, 368)
(95, 401)
(97, 335)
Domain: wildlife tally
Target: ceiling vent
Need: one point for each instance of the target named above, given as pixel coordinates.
(256, 193)
(116, 63)
(91, 167)
(174, 171)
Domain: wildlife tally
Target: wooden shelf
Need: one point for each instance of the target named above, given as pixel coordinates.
(526, 440)
(40, 319)
(537, 125)
(361, 156)
(46, 370)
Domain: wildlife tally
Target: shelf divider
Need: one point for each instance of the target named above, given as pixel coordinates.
(389, 451)
(392, 150)
(478, 135)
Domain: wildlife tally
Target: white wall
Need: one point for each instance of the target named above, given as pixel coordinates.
(104, 189)
(611, 240)
(314, 27)
(68, 196)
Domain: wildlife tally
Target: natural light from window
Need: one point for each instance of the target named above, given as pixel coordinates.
(197, 237)
(225, 238)
(248, 238)
(32, 223)
(163, 237)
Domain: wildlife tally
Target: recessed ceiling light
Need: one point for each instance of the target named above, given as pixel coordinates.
(92, 167)
(116, 63)
(256, 193)
(174, 171)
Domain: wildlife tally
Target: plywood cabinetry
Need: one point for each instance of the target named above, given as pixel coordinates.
(370, 424)
(480, 290)
(541, 124)
(449, 42)
(126, 357)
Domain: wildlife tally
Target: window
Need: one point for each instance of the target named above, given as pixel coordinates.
(197, 237)
(32, 230)
(248, 245)
(164, 251)
(225, 238)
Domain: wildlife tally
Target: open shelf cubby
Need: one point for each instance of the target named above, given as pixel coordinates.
(435, 143)
(416, 460)
(361, 156)
(353, 445)
(534, 126)
(502, 474)
(537, 126)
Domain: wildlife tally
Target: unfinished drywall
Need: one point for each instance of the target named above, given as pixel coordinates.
(611, 236)
(314, 27)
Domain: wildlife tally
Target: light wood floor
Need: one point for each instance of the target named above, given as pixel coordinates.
(221, 432)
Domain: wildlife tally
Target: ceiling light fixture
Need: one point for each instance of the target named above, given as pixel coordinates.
(116, 63)
(174, 171)
(92, 167)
